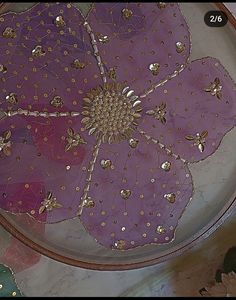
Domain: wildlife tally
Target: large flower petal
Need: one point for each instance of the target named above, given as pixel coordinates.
(31, 171)
(146, 216)
(129, 45)
(36, 80)
(190, 109)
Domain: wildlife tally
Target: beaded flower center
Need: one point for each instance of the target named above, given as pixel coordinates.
(111, 112)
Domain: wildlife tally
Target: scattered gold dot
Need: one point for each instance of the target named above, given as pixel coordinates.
(144, 235)
(63, 187)
(132, 242)
(148, 224)
(123, 229)
(27, 186)
(141, 196)
(141, 212)
(45, 139)
(77, 188)
(112, 234)
(32, 212)
(13, 294)
(103, 224)
(167, 238)
(125, 213)
(67, 168)
(1, 286)
(103, 213)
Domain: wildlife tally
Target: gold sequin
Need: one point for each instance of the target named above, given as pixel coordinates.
(102, 38)
(126, 13)
(59, 21)
(13, 294)
(12, 98)
(154, 68)
(133, 142)
(9, 33)
(180, 47)
(160, 229)
(170, 197)
(38, 51)
(161, 5)
(125, 194)
(120, 244)
(89, 202)
(77, 64)
(106, 163)
(166, 166)
(57, 101)
(1, 286)
(3, 69)
(5, 143)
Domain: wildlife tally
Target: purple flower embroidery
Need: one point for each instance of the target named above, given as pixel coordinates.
(107, 114)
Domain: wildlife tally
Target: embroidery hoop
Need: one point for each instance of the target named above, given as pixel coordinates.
(130, 262)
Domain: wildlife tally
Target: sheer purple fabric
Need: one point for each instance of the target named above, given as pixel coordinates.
(139, 187)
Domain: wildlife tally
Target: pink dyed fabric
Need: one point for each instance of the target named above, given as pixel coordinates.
(38, 162)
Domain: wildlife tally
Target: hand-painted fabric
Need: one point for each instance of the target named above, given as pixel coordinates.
(102, 116)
